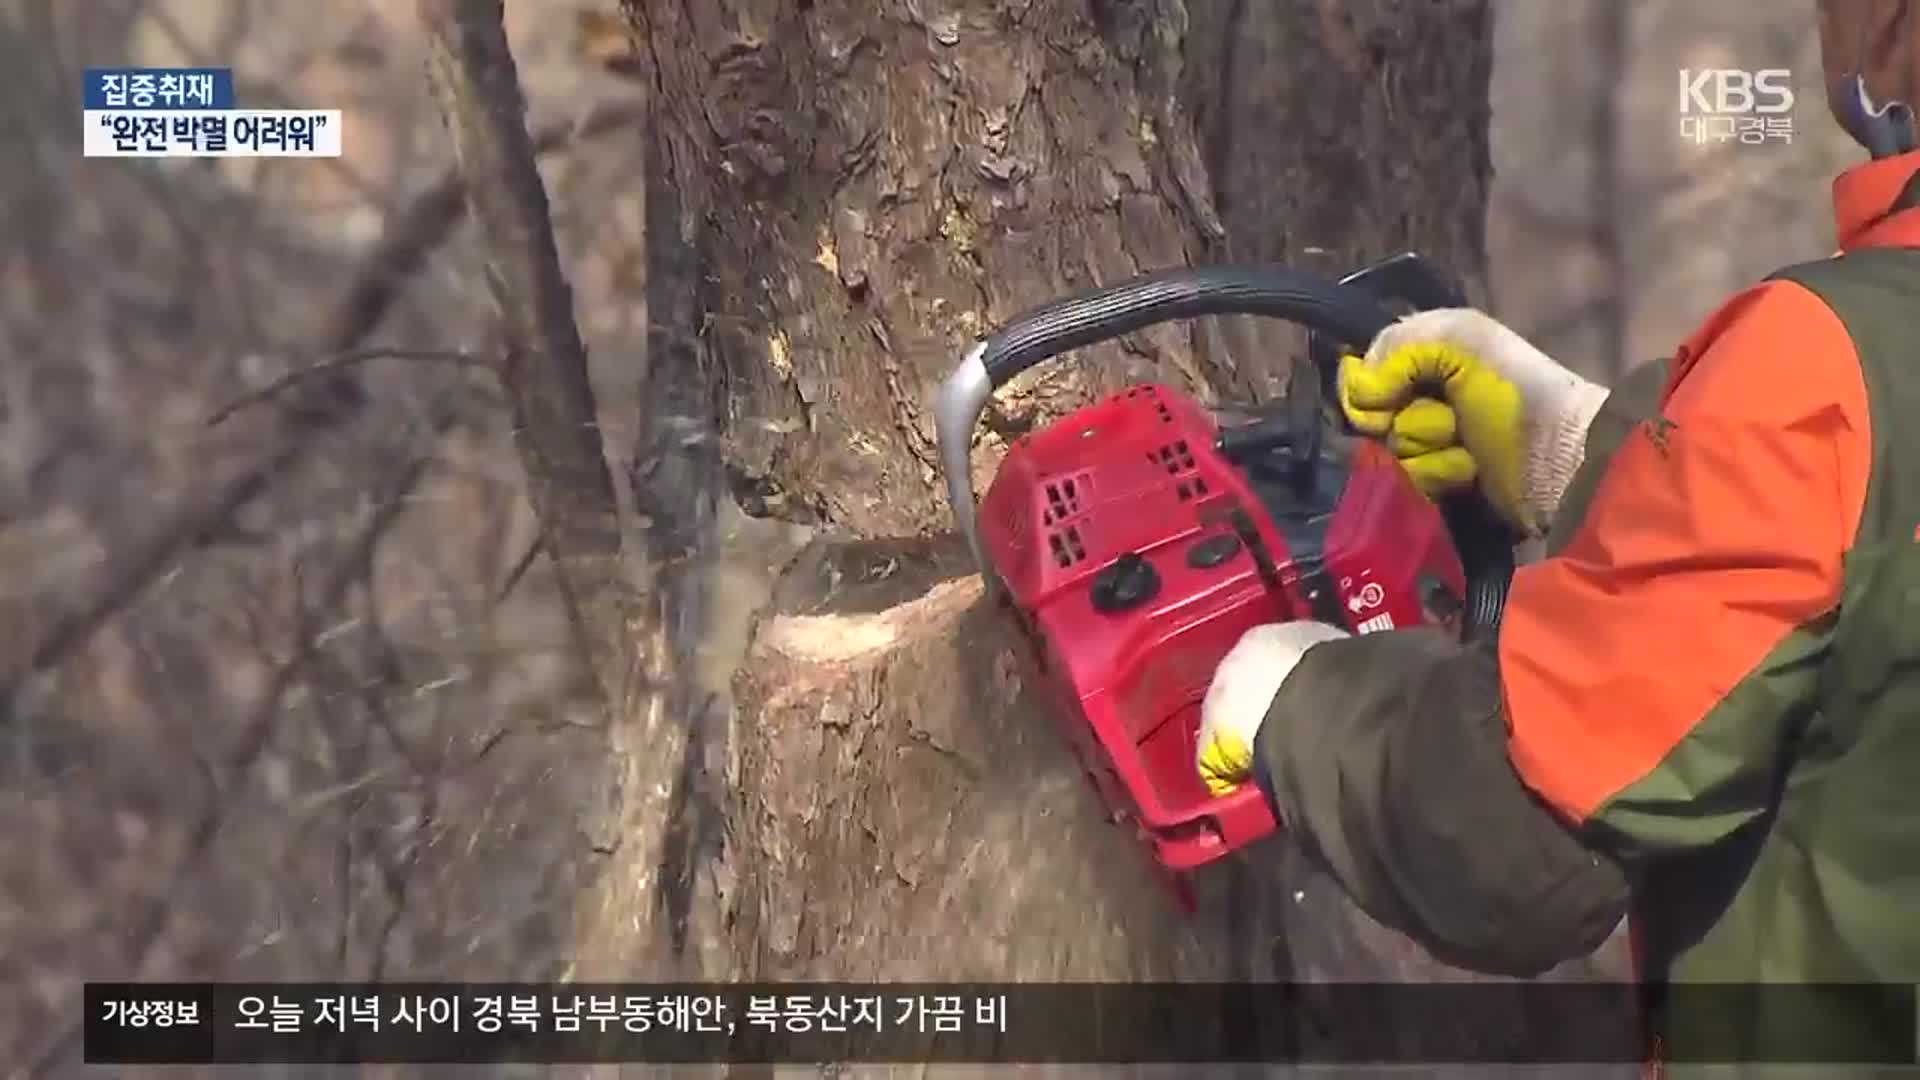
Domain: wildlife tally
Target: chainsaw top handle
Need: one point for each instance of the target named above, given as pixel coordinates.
(1348, 313)
(1104, 314)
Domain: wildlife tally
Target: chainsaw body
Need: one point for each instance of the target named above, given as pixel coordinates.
(1134, 554)
(1135, 540)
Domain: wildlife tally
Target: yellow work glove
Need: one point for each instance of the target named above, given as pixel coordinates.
(1461, 398)
(1242, 691)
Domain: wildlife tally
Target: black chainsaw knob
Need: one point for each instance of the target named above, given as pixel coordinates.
(1125, 584)
(1287, 445)
(1248, 441)
(1214, 550)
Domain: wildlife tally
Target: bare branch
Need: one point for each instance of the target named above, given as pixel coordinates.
(336, 363)
(1610, 47)
(144, 927)
(188, 528)
(520, 567)
(422, 226)
(430, 218)
(544, 372)
(636, 644)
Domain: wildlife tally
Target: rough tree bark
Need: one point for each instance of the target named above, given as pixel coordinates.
(625, 631)
(844, 194)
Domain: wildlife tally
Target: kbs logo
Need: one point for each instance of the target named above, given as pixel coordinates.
(1733, 91)
(1723, 104)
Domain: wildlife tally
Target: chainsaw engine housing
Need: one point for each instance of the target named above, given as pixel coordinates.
(1135, 552)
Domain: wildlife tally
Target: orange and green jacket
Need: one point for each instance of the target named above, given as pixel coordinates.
(1703, 705)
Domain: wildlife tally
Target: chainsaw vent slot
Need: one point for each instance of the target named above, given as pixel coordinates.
(1063, 498)
(1067, 546)
(1063, 501)
(1191, 489)
(1159, 405)
(1176, 458)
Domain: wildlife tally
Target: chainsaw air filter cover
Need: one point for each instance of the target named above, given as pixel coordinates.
(1135, 553)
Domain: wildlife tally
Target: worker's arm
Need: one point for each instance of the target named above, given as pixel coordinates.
(1492, 802)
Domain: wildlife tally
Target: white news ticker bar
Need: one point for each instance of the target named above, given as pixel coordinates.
(211, 133)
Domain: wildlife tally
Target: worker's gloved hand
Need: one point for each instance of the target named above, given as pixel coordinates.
(1460, 397)
(1242, 689)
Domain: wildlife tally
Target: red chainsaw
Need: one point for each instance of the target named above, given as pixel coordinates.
(1134, 540)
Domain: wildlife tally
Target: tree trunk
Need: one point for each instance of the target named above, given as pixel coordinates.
(863, 188)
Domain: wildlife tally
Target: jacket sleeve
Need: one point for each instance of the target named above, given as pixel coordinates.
(1492, 801)
(1636, 398)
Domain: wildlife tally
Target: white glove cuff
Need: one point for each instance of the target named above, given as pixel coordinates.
(1250, 674)
(1558, 446)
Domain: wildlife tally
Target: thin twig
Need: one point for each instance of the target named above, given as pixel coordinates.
(419, 228)
(338, 363)
(520, 568)
(145, 926)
